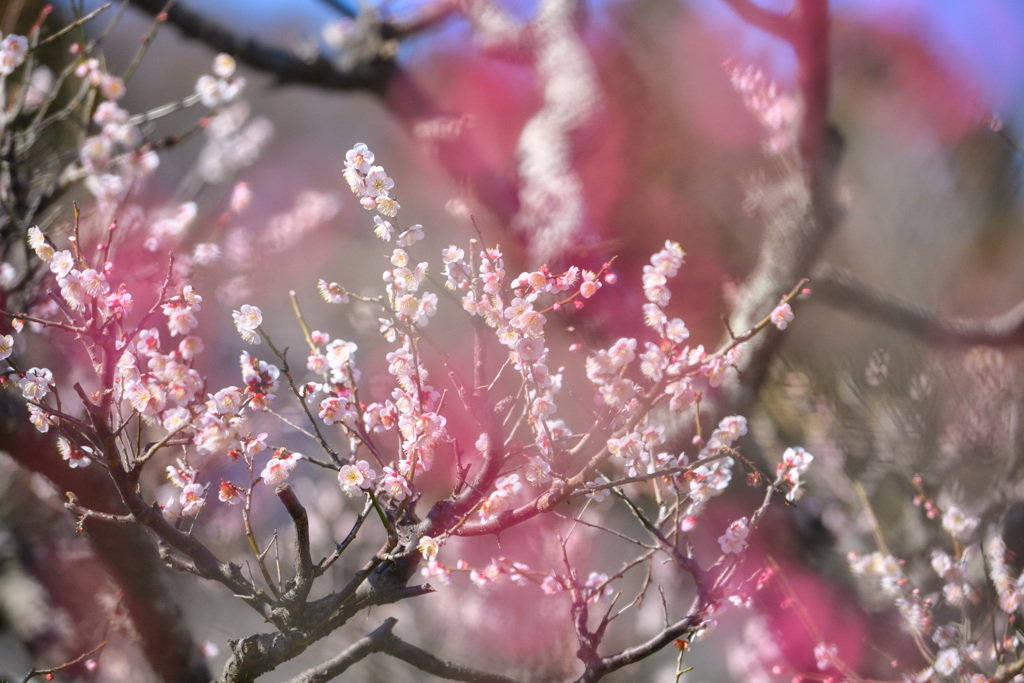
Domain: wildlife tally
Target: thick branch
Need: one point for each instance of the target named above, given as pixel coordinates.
(424, 661)
(368, 66)
(779, 25)
(354, 653)
(377, 583)
(303, 560)
(383, 639)
(841, 289)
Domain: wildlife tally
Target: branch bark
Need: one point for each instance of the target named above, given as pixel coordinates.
(841, 289)
(368, 66)
(779, 25)
(383, 640)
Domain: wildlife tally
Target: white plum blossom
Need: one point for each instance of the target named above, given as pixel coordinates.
(13, 49)
(35, 384)
(958, 523)
(782, 316)
(279, 467)
(395, 485)
(947, 661)
(192, 499)
(76, 457)
(247, 319)
(825, 656)
(428, 547)
(355, 477)
(734, 540)
(332, 292)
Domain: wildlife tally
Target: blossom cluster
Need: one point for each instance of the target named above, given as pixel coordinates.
(160, 397)
(777, 112)
(734, 540)
(956, 651)
(795, 462)
(115, 155)
(223, 87)
(160, 386)
(13, 50)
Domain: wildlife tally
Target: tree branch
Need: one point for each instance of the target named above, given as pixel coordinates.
(779, 25)
(604, 666)
(368, 65)
(841, 289)
(383, 639)
(303, 560)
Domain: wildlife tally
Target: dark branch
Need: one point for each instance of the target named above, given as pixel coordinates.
(844, 291)
(355, 652)
(424, 661)
(368, 65)
(303, 560)
(383, 639)
(340, 7)
(606, 665)
(779, 25)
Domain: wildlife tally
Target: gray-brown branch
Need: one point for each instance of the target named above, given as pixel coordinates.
(383, 640)
(841, 289)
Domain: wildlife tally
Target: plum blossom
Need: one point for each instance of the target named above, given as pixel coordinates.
(35, 384)
(825, 656)
(795, 462)
(223, 66)
(247, 319)
(37, 240)
(279, 467)
(76, 457)
(551, 585)
(782, 316)
(62, 263)
(13, 49)
(435, 570)
(359, 158)
(947, 661)
(40, 419)
(537, 471)
(355, 477)
(229, 493)
(378, 184)
(428, 547)
(192, 499)
(384, 229)
(395, 485)
(958, 523)
(332, 292)
(499, 500)
(411, 236)
(590, 284)
(734, 540)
